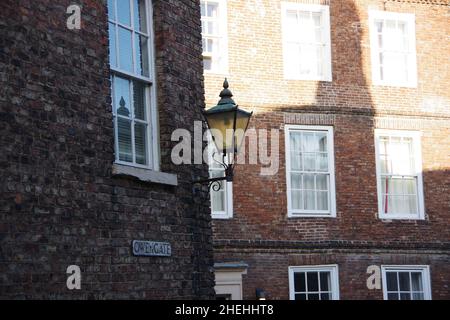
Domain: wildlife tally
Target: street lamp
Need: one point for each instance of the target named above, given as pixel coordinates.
(227, 125)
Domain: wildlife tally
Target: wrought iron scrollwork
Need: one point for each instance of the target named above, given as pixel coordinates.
(215, 185)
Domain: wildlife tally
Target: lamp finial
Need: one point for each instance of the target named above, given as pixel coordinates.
(225, 95)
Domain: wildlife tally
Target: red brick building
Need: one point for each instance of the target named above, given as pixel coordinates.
(357, 91)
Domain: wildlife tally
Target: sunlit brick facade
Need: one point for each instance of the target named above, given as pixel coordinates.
(367, 100)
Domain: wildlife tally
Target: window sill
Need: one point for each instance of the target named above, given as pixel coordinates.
(145, 175)
(221, 217)
(385, 218)
(395, 85)
(310, 215)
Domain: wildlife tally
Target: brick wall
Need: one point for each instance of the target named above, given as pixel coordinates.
(354, 107)
(268, 269)
(59, 203)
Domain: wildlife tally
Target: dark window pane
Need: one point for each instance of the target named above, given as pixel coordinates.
(139, 100)
(313, 281)
(404, 281)
(301, 296)
(405, 296)
(314, 296)
(140, 137)
(391, 279)
(325, 281)
(299, 282)
(392, 296)
(417, 296)
(141, 51)
(140, 18)
(325, 296)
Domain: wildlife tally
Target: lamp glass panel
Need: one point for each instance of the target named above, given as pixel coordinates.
(219, 123)
(242, 120)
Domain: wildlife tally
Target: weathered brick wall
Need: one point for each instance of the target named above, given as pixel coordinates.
(59, 203)
(354, 107)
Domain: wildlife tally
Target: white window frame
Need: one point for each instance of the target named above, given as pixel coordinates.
(153, 152)
(424, 269)
(223, 39)
(334, 274)
(228, 190)
(297, 213)
(327, 61)
(410, 20)
(415, 135)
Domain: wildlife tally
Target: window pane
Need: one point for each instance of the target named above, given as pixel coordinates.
(111, 10)
(296, 181)
(417, 296)
(207, 63)
(309, 161)
(410, 185)
(325, 296)
(112, 45)
(308, 180)
(300, 296)
(325, 281)
(218, 200)
(139, 100)
(391, 280)
(314, 296)
(295, 138)
(140, 18)
(322, 200)
(309, 200)
(416, 279)
(291, 26)
(322, 182)
(211, 9)
(322, 164)
(125, 50)
(122, 96)
(140, 137)
(124, 12)
(296, 161)
(405, 296)
(317, 18)
(310, 142)
(411, 204)
(308, 60)
(297, 197)
(313, 281)
(392, 296)
(404, 281)
(322, 140)
(141, 51)
(299, 282)
(202, 8)
(124, 135)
